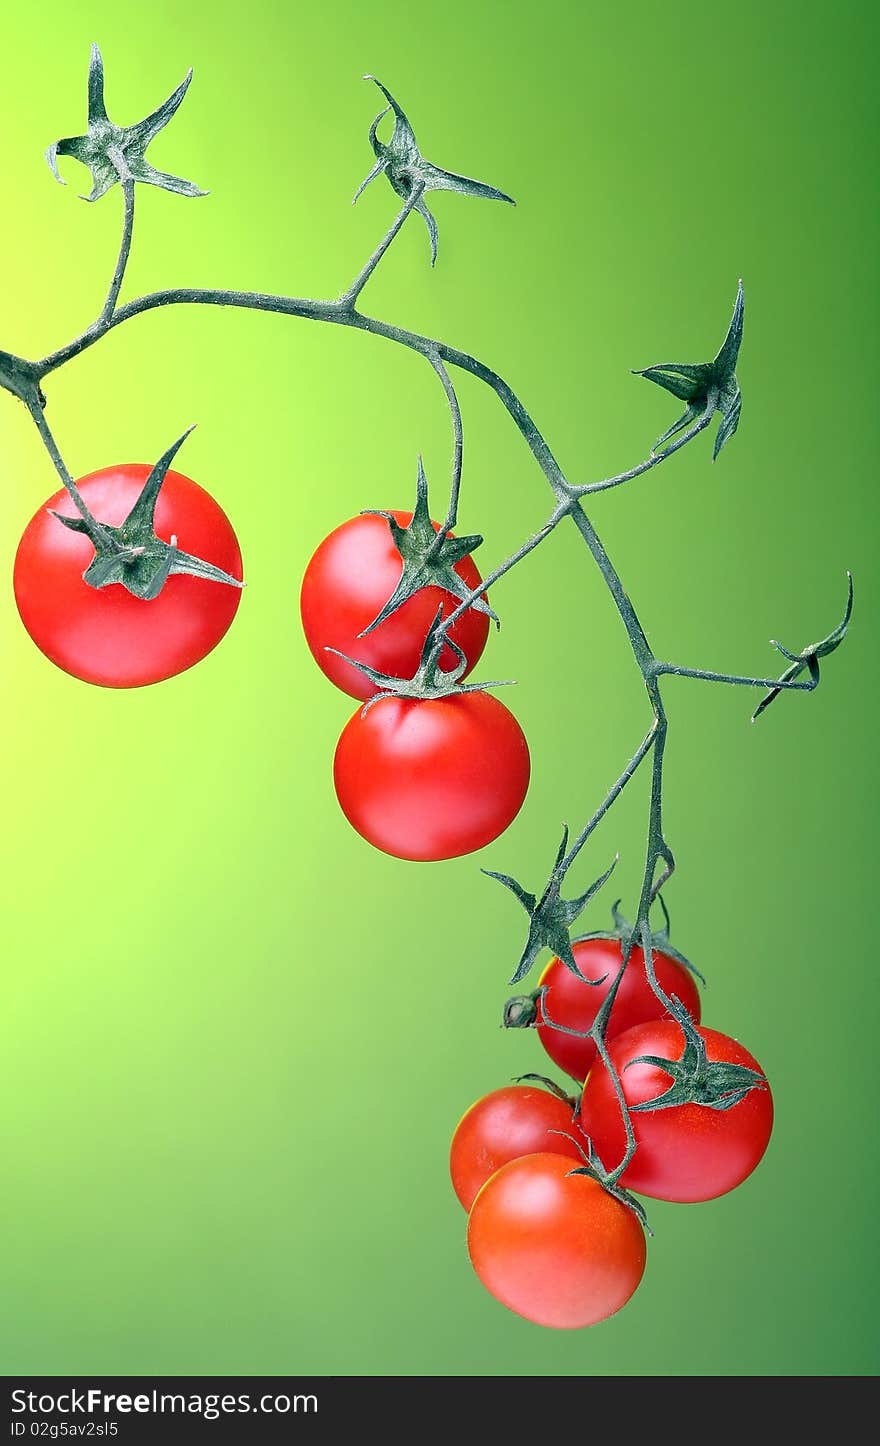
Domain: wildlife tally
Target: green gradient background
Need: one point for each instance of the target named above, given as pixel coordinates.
(235, 1040)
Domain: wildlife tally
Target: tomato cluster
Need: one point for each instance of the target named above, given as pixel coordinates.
(551, 1233)
(429, 768)
(420, 777)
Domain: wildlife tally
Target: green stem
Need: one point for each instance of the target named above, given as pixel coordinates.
(457, 453)
(656, 849)
(655, 458)
(97, 531)
(597, 1033)
(349, 297)
(648, 742)
(124, 250)
(612, 1177)
(522, 551)
(736, 679)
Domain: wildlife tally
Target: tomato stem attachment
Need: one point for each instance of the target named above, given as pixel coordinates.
(697, 1080)
(132, 554)
(430, 680)
(429, 559)
(595, 1170)
(548, 1084)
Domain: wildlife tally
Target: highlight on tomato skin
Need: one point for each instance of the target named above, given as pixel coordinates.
(684, 1153)
(349, 579)
(105, 635)
(516, 1120)
(432, 778)
(552, 1246)
(574, 1004)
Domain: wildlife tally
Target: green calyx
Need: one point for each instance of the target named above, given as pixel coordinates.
(697, 1080)
(623, 932)
(406, 168)
(429, 680)
(132, 554)
(550, 916)
(705, 387)
(808, 659)
(117, 153)
(595, 1170)
(429, 558)
(522, 1011)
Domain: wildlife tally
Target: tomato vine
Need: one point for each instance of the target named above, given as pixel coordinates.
(116, 155)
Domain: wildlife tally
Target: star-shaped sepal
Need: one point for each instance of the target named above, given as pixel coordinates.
(595, 1170)
(132, 554)
(430, 680)
(622, 930)
(117, 153)
(522, 1011)
(697, 1080)
(405, 166)
(705, 387)
(808, 659)
(550, 916)
(429, 558)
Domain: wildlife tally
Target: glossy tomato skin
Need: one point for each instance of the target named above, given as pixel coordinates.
(432, 778)
(554, 1247)
(685, 1153)
(106, 635)
(575, 1004)
(349, 580)
(517, 1120)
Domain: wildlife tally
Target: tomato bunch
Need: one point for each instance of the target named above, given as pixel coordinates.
(555, 1232)
(116, 582)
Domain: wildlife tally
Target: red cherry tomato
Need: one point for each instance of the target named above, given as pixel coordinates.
(552, 1246)
(349, 580)
(517, 1120)
(684, 1152)
(105, 635)
(574, 1004)
(432, 778)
